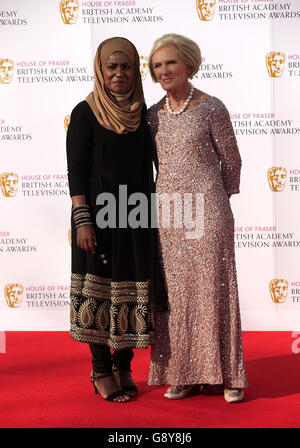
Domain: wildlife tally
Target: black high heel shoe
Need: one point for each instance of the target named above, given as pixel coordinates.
(111, 397)
(131, 390)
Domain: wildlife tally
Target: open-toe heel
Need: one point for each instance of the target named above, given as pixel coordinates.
(113, 395)
(131, 390)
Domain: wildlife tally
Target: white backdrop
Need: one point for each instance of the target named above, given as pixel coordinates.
(46, 69)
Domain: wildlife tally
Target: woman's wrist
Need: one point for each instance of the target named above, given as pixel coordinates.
(82, 215)
(78, 200)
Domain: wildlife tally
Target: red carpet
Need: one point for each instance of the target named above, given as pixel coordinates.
(44, 384)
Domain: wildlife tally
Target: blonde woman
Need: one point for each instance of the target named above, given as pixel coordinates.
(198, 341)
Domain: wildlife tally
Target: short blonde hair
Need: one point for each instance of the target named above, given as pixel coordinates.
(188, 49)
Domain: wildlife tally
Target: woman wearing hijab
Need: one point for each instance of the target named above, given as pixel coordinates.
(113, 282)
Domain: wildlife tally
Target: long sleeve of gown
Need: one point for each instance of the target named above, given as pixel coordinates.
(227, 148)
(79, 151)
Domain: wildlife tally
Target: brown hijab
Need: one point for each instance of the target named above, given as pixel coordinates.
(120, 113)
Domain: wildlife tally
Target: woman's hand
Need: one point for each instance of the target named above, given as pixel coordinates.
(86, 238)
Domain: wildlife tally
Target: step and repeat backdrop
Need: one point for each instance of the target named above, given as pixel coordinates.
(251, 61)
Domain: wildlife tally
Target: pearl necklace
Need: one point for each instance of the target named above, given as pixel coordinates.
(186, 103)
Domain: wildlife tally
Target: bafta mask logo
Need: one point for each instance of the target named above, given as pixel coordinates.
(277, 178)
(6, 71)
(69, 11)
(9, 184)
(67, 122)
(144, 67)
(13, 294)
(206, 9)
(275, 63)
(278, 290)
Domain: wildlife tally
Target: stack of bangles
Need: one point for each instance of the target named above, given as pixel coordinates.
(82, 215)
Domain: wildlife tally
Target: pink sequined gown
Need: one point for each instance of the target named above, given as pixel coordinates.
(199, 340)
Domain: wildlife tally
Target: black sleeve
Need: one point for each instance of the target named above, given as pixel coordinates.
(79, 143)
(152, 122)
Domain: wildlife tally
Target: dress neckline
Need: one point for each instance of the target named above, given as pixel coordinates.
(186, 111)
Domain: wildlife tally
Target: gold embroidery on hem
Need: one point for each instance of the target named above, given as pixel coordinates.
(137, 319)
(102, 316)
(94, 287)
(77, 276)
(122, 320)
(129, 299)
(86, 313)
(115, 342)
(131, 284)
(96, 279)
(88, 292)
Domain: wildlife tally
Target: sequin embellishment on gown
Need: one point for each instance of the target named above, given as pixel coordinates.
(199, 340)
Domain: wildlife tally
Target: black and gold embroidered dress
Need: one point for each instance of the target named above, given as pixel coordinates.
(115, 291)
